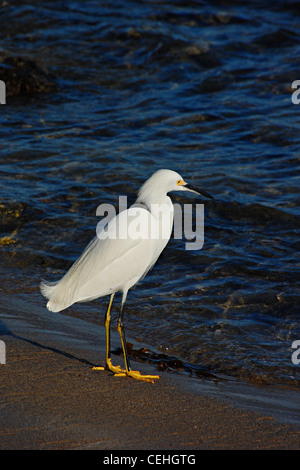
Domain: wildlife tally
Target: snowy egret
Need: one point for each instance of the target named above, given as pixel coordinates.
(118, 257)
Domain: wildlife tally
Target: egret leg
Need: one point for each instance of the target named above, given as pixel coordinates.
(129, 372)
(109, 366)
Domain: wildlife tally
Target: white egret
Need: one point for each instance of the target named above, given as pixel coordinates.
(120, 256)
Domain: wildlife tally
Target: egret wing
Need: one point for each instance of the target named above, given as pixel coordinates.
(114, 260)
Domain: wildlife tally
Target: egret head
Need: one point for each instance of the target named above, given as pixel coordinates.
(165, 181)
(183, 186)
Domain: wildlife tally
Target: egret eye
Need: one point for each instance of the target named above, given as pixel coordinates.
(179, 182)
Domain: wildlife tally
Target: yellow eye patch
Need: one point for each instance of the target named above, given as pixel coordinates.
(180, 182)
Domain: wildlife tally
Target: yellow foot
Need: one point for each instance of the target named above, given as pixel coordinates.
(135, 374)
(98, 368)
(119, 372)
(115, 369)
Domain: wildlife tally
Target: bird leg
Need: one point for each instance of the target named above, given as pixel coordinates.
(117, 370)
(129, 372)
(109, 366)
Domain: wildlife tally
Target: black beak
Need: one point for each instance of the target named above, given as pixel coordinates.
(198, 191)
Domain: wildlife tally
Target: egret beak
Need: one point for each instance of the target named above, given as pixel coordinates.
(193, 189)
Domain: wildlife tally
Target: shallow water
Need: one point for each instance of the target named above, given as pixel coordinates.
(203, 88)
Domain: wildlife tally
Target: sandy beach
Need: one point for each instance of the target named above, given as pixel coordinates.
(52, 399)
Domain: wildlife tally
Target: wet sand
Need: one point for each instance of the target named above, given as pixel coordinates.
(52, 399)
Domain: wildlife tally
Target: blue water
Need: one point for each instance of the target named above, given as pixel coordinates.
(203, 88)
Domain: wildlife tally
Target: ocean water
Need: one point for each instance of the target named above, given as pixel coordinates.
(203, 88)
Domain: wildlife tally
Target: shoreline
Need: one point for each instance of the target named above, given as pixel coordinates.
(52, 399)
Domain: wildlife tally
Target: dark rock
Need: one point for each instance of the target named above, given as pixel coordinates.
(24, 77)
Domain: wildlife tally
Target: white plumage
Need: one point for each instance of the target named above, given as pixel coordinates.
(118, 257)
